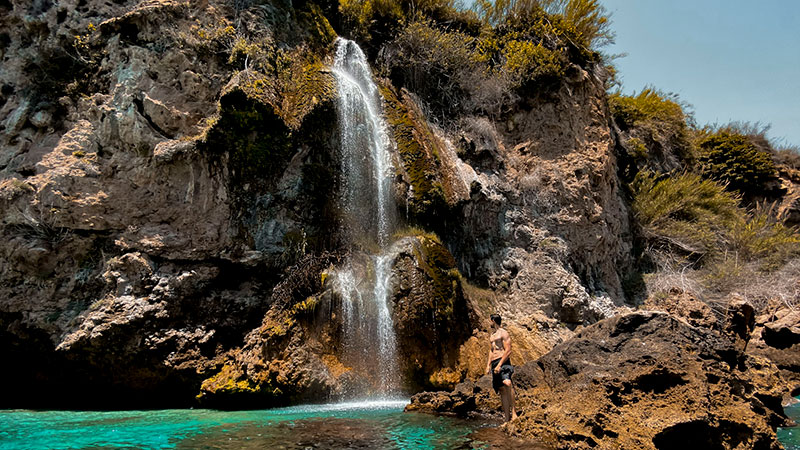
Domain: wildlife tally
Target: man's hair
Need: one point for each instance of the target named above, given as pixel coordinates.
(496, 318)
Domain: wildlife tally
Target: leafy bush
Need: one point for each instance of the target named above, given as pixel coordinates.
(733, 158)
(527, 64)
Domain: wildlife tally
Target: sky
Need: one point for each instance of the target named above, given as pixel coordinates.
(732, 60)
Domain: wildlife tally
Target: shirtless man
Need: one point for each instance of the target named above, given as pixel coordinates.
(500, 366)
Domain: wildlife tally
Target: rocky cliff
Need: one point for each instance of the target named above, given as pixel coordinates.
(167, 164)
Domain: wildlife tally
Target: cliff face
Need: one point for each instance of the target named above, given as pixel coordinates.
(160, 192)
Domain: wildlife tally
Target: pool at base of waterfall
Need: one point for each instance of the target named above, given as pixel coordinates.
(790, 437)
(352, 425)
(358, 425)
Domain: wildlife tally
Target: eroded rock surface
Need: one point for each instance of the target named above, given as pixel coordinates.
(644, 380)
(777, 338)
(135, 246)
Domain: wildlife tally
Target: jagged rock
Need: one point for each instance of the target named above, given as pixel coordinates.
(650, 380)
(684, 305)
(643, 380)
(777, 338)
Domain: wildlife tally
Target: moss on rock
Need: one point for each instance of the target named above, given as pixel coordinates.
(430, 311)
(419, 152)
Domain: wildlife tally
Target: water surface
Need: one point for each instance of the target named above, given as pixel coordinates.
(790, 437)
(358, 425)
(373, 425)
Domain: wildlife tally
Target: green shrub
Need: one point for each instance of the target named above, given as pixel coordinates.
(648, 106)
(584, 23)
(368, 19)
(732, 158)
(438, 65)
(685, 211)
(763, 237)
(655, 130)
(527, 64)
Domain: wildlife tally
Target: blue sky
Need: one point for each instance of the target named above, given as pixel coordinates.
(733, 60)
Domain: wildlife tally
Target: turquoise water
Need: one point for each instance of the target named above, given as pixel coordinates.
(375, 425)
(790, 437)
(347, 425)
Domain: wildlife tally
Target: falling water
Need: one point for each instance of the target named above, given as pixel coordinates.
(367, 203)
(366, 162)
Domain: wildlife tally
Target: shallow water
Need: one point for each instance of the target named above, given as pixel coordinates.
(790, 437)
(358, 425)
(347, 425)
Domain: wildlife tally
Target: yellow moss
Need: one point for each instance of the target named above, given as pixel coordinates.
(417, 232)
(299, 83)
(323, 278)
(440, 266)
(227, 381)
(335, 366)
(305, 306)
(446, 378)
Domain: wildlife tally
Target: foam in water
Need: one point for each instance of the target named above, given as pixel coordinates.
(368, 206)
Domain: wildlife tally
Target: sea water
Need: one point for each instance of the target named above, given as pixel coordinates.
(367, 425)
(790, 437)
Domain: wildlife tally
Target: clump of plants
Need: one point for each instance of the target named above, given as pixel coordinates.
(656, 132)
(486, 60)
(585, 23)
(684, 212)
(698, 237)
(733, 158)
(375, 22)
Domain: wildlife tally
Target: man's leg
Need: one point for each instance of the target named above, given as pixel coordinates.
(504, 399)
(508, 390)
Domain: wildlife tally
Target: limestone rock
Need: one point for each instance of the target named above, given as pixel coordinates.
(643, 380)
(648, 380)
(777, 338)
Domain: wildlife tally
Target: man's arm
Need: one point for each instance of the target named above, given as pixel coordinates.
(489, 359)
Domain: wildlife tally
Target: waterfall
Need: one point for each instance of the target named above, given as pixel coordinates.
(368, 208)
(366, 161)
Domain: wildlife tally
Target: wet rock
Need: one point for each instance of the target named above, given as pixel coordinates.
(430, 312)
(460, 401)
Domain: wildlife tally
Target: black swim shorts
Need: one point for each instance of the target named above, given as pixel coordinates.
(506, 370)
